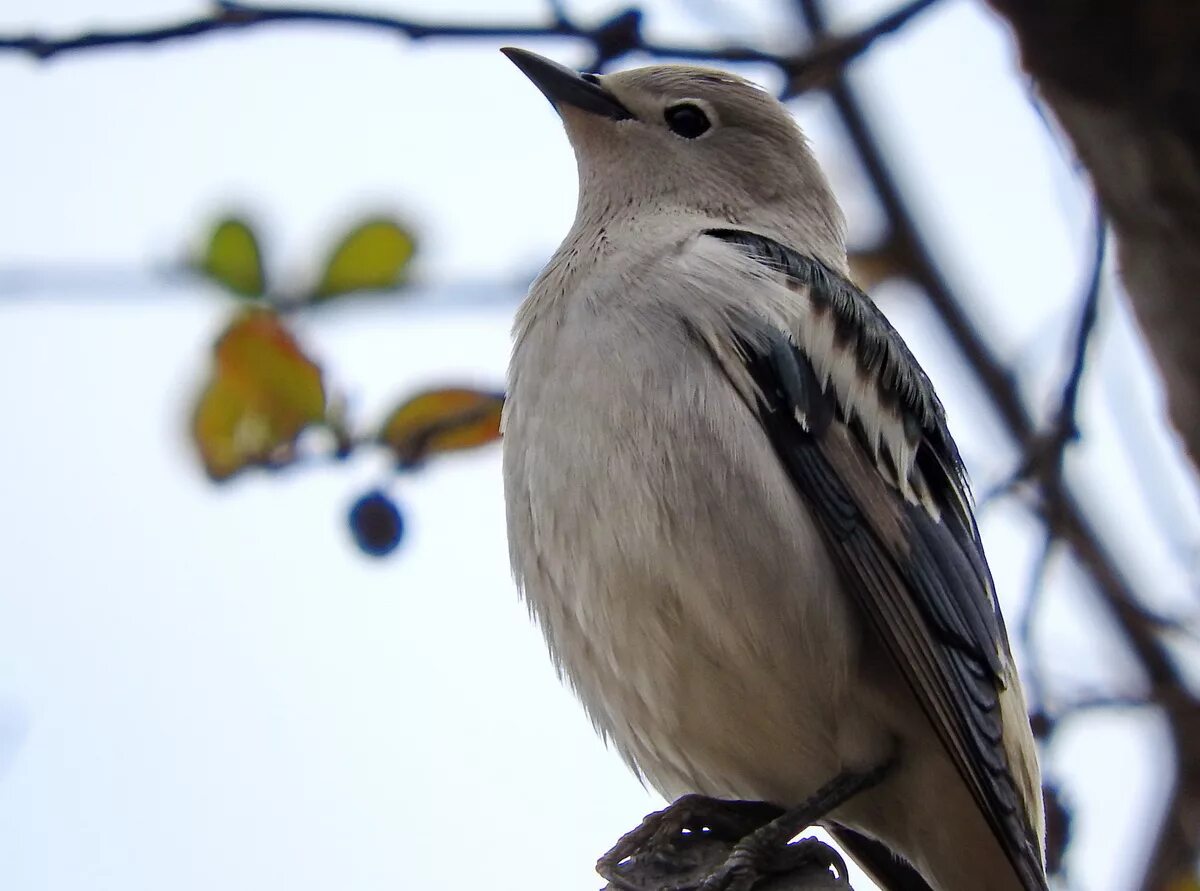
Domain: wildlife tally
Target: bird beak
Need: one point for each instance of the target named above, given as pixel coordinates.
(562, 86)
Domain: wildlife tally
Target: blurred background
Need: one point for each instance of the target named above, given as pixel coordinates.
(257, 271)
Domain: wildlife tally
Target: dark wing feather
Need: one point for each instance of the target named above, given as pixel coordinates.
(916, 564)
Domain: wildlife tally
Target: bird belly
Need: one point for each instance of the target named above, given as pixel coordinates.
(683, 586)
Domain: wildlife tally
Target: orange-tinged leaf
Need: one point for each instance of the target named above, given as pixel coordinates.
(373, 255)
(442, 420)
(232, 258)
(872, 267)
(263, 392)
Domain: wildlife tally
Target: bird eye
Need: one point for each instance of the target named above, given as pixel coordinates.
(688, 120)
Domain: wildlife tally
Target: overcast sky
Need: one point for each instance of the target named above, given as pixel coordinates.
(205, 688)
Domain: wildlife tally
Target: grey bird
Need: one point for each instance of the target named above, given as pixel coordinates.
(736, 510)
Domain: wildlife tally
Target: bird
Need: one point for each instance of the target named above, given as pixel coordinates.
(736, 510)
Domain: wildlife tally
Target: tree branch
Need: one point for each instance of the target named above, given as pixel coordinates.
(1045, 455)
(619, 35)
(1066, 427)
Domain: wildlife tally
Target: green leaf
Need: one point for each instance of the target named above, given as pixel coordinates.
(262, 393)
(372, 256)
(232, 258)
(442, 420)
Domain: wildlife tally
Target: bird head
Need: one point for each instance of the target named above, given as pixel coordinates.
(680, 138)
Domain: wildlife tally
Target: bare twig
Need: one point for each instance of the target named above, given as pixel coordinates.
(226, 17)
(610, 40)
(1086, 704)
(831, 53)
(1065, 422)
(1044, 458)
(1044, 455)
(1025, 625)
(558, 11)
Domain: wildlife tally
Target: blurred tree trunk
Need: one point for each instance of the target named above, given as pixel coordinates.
(1123, 78)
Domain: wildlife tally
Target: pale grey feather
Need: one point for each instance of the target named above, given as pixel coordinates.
(684, 585)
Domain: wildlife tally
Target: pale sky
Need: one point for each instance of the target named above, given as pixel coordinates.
(205, 687)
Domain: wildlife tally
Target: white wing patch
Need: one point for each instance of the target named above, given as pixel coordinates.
(860, 397)
(876, 413)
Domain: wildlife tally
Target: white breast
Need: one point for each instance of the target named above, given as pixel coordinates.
(681, 584)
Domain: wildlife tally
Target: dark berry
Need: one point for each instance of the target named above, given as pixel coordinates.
(376, 524)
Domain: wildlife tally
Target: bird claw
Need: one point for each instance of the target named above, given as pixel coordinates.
(675, 848)
(708, 844)
(750, 866)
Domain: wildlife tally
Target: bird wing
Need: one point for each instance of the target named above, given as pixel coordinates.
(863, 437)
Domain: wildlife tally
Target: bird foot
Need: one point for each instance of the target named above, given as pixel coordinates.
(752, 867)
(706, 843)
(675, 848)
(769, 848)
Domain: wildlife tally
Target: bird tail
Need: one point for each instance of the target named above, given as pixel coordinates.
(887, 870)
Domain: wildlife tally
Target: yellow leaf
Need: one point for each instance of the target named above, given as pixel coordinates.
(232, 258)
(442, 420)
(373, 255)
(263, 392)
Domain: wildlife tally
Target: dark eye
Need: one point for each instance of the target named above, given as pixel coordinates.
(688, 120)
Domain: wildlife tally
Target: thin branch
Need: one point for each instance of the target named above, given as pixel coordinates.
(1087, 324)
(1066, 426)
(230, 17)
(558, 11)
(831, 53)
(1044, 456)
(1025, 624)
(618, 36)
(1086, 704)
(78, 282)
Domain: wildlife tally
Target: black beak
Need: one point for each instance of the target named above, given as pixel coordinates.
(562, 86)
